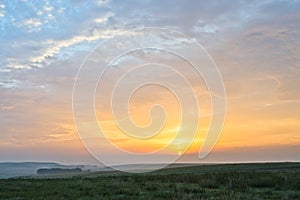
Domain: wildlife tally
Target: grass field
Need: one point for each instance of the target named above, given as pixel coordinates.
(226, 181)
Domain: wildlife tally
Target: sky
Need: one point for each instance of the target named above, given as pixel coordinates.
(254, 44)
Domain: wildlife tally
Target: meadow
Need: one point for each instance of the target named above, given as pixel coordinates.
(223, 181)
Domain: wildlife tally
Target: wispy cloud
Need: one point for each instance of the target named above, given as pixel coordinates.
(2, 10)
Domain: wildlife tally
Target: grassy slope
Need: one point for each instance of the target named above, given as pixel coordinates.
(231, 181)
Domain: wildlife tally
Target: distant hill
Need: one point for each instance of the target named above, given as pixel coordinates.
(58, 171)
(16, 169)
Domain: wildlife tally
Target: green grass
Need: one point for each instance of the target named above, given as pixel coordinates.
(232, 181)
